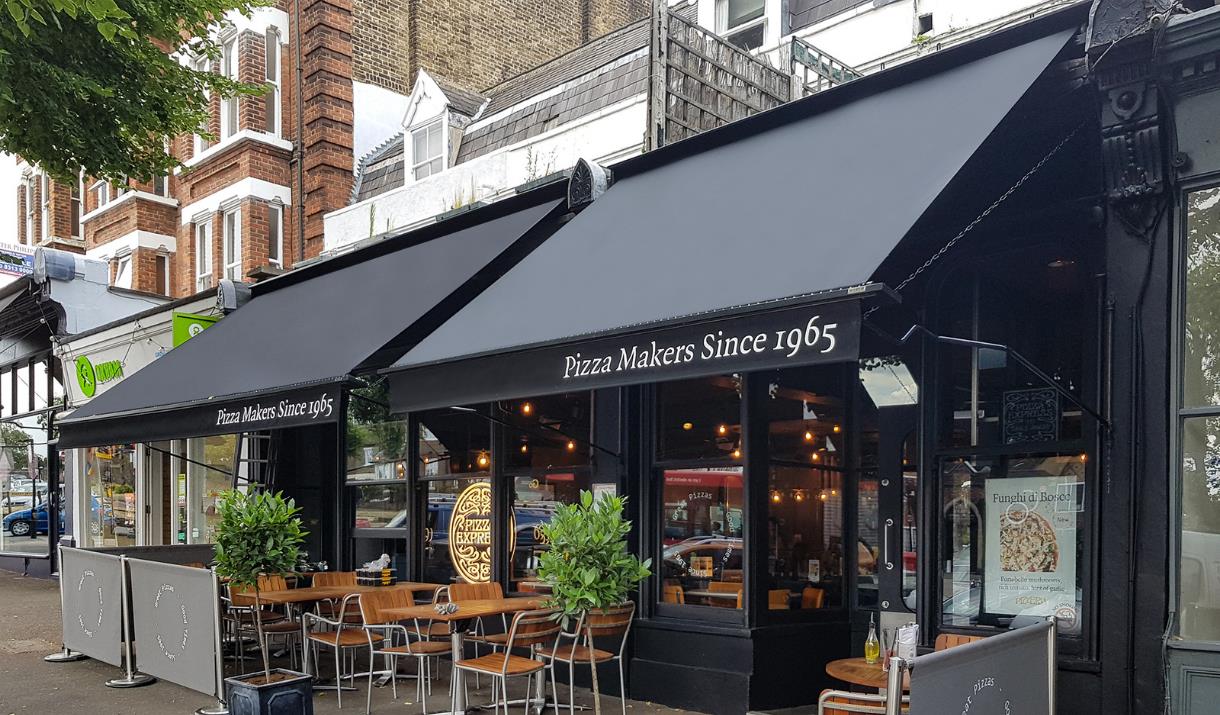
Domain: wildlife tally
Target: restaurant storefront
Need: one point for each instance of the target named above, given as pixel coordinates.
(813, 430)
(896, 352)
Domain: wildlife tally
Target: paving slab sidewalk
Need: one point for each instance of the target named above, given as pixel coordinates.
(30, 629)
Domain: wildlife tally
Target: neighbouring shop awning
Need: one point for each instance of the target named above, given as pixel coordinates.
(280, 360)
(739, 238)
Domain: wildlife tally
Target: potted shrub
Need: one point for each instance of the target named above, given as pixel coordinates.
(260, 534)
(587, 566)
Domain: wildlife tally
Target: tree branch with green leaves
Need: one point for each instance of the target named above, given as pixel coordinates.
(95, 84)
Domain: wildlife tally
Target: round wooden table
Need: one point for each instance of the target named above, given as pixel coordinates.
(857, 672)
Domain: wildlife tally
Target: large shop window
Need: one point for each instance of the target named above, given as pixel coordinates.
(806, 437)
(208, 477)
(1014, 458)
(377, 454)
(454, 472)
(702, 493)
(29, 391)
(110, 485)
(547, 465)
(1199, 568)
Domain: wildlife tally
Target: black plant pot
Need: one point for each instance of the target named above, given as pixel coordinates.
(291, 696)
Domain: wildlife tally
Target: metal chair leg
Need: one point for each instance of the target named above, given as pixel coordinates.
(622, 687)
(338, 677)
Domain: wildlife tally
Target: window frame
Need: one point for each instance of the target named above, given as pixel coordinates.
(275, 237)
(727, 32)
(78, 206)
(439, 125)
(199, 143)
(230, 264)
(274, 124)
(1181, 413)
(101, 193)
(230, 68)
(125, 261)
(28, 186)
(1083, 646)
(203, 231)
(44, 182)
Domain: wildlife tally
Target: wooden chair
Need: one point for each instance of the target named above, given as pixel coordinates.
(340, 635)
(535, 630)
(726, 587)
(813, 597)
(329, 607)
(673, 594)
(778, 599)
(613, 623)
(239, 612)
(945, 641)
(372, 607)
(478, 634)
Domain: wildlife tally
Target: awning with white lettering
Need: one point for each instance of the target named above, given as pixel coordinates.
(282, 359)
(748, 247)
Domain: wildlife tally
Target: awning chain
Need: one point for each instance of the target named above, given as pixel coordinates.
(986, 212)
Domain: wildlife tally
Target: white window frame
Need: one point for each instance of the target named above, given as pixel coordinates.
(231, 250)
(101, 193)
(416, 162)
(203, 254)
(78, 205)
(200, 143)
(160, 185)
(28, 183)
(44, 182)
(722, 22)
(273, 78)
(162, 261)
(230, 64)
(123, 263)
(275, 236)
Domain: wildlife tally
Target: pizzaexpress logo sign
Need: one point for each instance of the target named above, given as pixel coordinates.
(89, 376)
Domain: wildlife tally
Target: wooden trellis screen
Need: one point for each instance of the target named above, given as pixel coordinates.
(707, 82)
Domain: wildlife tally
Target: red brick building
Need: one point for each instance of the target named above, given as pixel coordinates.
(249, 202)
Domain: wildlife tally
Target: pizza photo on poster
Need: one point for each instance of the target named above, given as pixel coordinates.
(1031, 546)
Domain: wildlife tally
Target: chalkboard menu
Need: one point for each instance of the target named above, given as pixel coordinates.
(1030, 416)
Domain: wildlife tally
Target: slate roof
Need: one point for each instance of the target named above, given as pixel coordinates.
(380, 170)
(619, 81)
(460, 100)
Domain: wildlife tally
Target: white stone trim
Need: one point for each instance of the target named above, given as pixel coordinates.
(128, 243)
(248, 188)
(259, 20)
(125, 197)
(228, 142)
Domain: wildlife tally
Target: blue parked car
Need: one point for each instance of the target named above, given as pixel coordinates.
(21, 523)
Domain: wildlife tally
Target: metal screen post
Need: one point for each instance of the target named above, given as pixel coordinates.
(221, 707)
(893, 686)
(66, 655)
(132, 678)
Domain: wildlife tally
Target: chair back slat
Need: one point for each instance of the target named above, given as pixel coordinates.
(531, 628)
(374, 603)
(475, 591)
(945, 641)
(674, 594)
(334, 578)
(244, 595)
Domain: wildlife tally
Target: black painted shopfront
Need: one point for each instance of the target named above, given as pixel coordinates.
(905, 350)
(813, 431)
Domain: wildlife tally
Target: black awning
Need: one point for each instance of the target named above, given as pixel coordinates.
(813, 202)
(279, 361)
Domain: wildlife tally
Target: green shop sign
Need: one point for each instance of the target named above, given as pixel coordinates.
(188, 325)
(89, 376)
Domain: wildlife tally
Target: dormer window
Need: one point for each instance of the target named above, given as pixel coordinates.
(742, 22)
(428, 150)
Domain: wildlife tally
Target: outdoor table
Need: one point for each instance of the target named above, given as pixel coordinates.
(459, 622)
(299, 598)
(858, 672)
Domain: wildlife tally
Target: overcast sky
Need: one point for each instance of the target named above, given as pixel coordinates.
(8, 199)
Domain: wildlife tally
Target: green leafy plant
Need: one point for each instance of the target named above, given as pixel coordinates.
(587, 566)
(258, 534)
